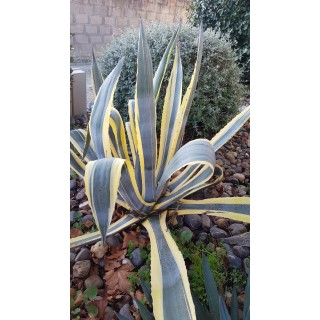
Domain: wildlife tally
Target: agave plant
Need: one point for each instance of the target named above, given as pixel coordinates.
(151, 181)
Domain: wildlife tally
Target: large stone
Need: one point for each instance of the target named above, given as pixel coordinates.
(81, 194)
(72, 257)
(125, 311)
(228, 248)
(73, 203)
(238, 169)
(202, 236)
(93, 281)
(217, 233)
(84, 254)
(113, 241)
(240, 240)
(81, 268)
(239, 176)
(241, 251)
(88, 217)
(206, 222)
(136, 258)
(237, 228)
(193, 221)
(234, 261)
(73, 184)
(241, 190)
(222, 223)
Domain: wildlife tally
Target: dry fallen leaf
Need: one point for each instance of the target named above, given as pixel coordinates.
(75, 232)
(101, 305)
(130, 236)
(117, 279)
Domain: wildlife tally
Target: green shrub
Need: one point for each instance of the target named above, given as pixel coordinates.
(219, 93)
(231, 17)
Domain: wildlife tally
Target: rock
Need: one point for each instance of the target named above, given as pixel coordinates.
(231, 155)
(234, 261)
(239, 176)
(227, 187)
(109, 313)
(217, 233)
(84, 254)
(125, 311)
(220, 162)
(222, 223)
(81, 194)
(241, 190)
(81, 268)
(73, 203)
(101, 263)
(232, 180)
(241, 251)
(246, 263)
(93, 281)
(176, 221)
(246, 173)
(184, 228)
(229, 172)
(72, 218)
(240, 240)
(88, 217)
(206, 222)
(237, 228)
(202, 236)
(245, 165)
(211, 247)
(238, 169)
(113, 241)
(227, 247)
(73, 184)
(72, 257)
(136, 258)
(247, 225)
(193, 221)
(99, 250)
(125, 261)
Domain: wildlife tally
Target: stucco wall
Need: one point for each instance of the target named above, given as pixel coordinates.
(95, 22)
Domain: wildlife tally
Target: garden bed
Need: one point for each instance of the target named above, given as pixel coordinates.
(113, 279)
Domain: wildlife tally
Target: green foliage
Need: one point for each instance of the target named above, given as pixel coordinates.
(219, 93)
(192, 252)
(143, 273)
(231, 17)
(90, 293)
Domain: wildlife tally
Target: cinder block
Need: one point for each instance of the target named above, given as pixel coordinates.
(95, 39)
(107, 39)
(81, 38)
(96, 19)
(81, 18)
(163, 9)
(78, 105)
(78, 28)
(105, 30)
(130, 13)
(100, 10)
(91, 29)
(118, 12)
(109, 21)
(88, 10)
(122, 22)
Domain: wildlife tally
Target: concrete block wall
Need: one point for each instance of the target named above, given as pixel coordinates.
(94, 23)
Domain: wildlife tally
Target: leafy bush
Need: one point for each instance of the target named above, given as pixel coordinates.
(218, 94)
(231, 17)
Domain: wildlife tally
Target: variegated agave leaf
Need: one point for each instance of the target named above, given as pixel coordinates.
(122, 164)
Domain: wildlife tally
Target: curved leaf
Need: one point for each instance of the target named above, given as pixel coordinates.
(115, 227)
(96, 75)
(100, 115)
(230, 129)
(169, 281)
(102, 178)
(145, 119)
